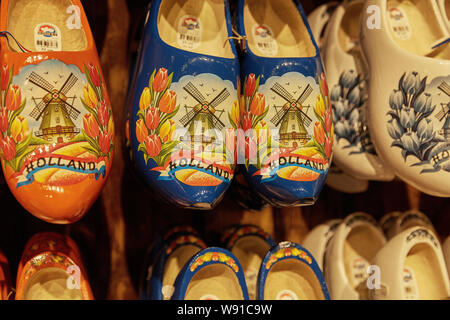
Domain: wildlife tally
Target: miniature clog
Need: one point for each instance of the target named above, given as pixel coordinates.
(172, 257)
(411, 267)
(250, 244)
(183, 96)
(395, 222)
(285, 112)
(154, 251)
(355, 242)
(317, 240)
(5, 278)
(340, 181)
(212, 274)
(290, 272)
(388, 223)
(347, 76)
(57, 130)
(406, 47)
(51, 269)
(318, 20)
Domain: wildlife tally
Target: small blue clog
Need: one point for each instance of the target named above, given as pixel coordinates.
(212, 274)
(285, 108)
(289, 272)
(181, 101)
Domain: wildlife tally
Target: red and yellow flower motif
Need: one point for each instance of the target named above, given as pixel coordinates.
(13, 98)
(245, 231)
(287, 252)
(185, 240)
(215, 257)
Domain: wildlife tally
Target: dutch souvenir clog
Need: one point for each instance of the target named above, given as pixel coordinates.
(388, 223)
(154, 251)
(317, 240)
(181, 102)
(318, 20)
(354, 244)
(51, 269)
(212, 274)
(444, 6)
(290, 272)
(285, 112)
(411, 267)
(406, 47)
(5, 278)
(172, 257)
(250, 244)
(396, 222)
(56, 125)
(446, 251)
(340, 181)
(347, 77)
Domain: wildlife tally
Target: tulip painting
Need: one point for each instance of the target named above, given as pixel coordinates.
(98, 124)
(155, 129)
(409, 125)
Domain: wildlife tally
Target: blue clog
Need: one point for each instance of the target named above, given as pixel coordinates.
(212, 274)
(181, 102)
(172, 257)
(289, 272)
(286, 113)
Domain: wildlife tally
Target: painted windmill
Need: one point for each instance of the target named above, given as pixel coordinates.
(290, 117)
(201, 120)
(55, 110)
(445, 112)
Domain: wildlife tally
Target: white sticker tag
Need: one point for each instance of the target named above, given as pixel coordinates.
(209, 297)
(410, 290)
(47, 37)
(286, 295)
(167, 291)
(359, 267)
(189, 32)
(264, 40)
(251, 279)
(399, 23)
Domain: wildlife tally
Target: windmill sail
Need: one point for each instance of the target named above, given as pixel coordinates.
(194, 92)
(70, 82)
(37, 80)
(38, 110)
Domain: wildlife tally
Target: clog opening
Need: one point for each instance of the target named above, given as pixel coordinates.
(415, 28)
(250, 251)
(423, 277)
(51, 25)
(174, 264)
(51, 284)
(360, 247)
(275, 28)
(292, 279)
(196, 26)
(349, 29)
(214, 282)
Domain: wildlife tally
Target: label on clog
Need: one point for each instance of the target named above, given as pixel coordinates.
(286, 295)
(209, 297)
(167, 292)
(398, 20)
(264, 40)
(251, 278)
(410, 289)
(189, 35)
(47, 37)
(358, 270)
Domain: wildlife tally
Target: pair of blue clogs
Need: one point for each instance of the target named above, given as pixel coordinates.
(249, 265)
(200, 105)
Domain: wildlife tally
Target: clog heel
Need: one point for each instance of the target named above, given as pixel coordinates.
(57, 130)
(183, 97)
(408, 53)
(285, 111)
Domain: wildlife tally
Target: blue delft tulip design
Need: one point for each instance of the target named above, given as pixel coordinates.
(410, 126)
(348, 99)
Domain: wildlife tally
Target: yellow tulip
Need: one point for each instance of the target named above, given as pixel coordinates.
(167, 130)
(144, 102)
(19, 129)
(320, 106)
(236, 113)
(90, 97)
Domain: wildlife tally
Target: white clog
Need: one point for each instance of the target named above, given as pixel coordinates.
(388, 223)
(318, 20)
(396, 222)
(444, 6)
(340, 181)
(409, 90)
(317, 239)
(356, 241)
(411, 267)
(347, 76)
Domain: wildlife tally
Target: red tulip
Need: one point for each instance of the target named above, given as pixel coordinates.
(9, 148)
(153, 145)
(91, 126)
(328, 147)
(104, 141)
(230, 140)
(323, 82)
(4, 122)
(319, 134)
(94, 75)
(152, 118)
(160, 81)
(250, 148)
(13, 98)
(247, 121)
(258, 104)
(328, 120)
(250, 85)
(4, 77)
(103, 114)
(168, 102)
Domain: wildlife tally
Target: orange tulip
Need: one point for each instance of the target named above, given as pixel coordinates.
(94, 75)
(144, 102)
(152, 118)
(104, 141)
(247, 121)
(90, 126)
(4, 77)
(250, 85)
(4, 122)
(90, 98)
(258, 104)
(9, 148)
(153, 145)
(160, 81)
(103, 114)
(168, 102)
(319, 133)
(167, 130)
(13, 98)
(328, 147)
(19, 129)
(141, 131)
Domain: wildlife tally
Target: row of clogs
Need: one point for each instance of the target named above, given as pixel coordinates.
(248, 265)
(51, 268)
(399, 258)
(388, 66)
